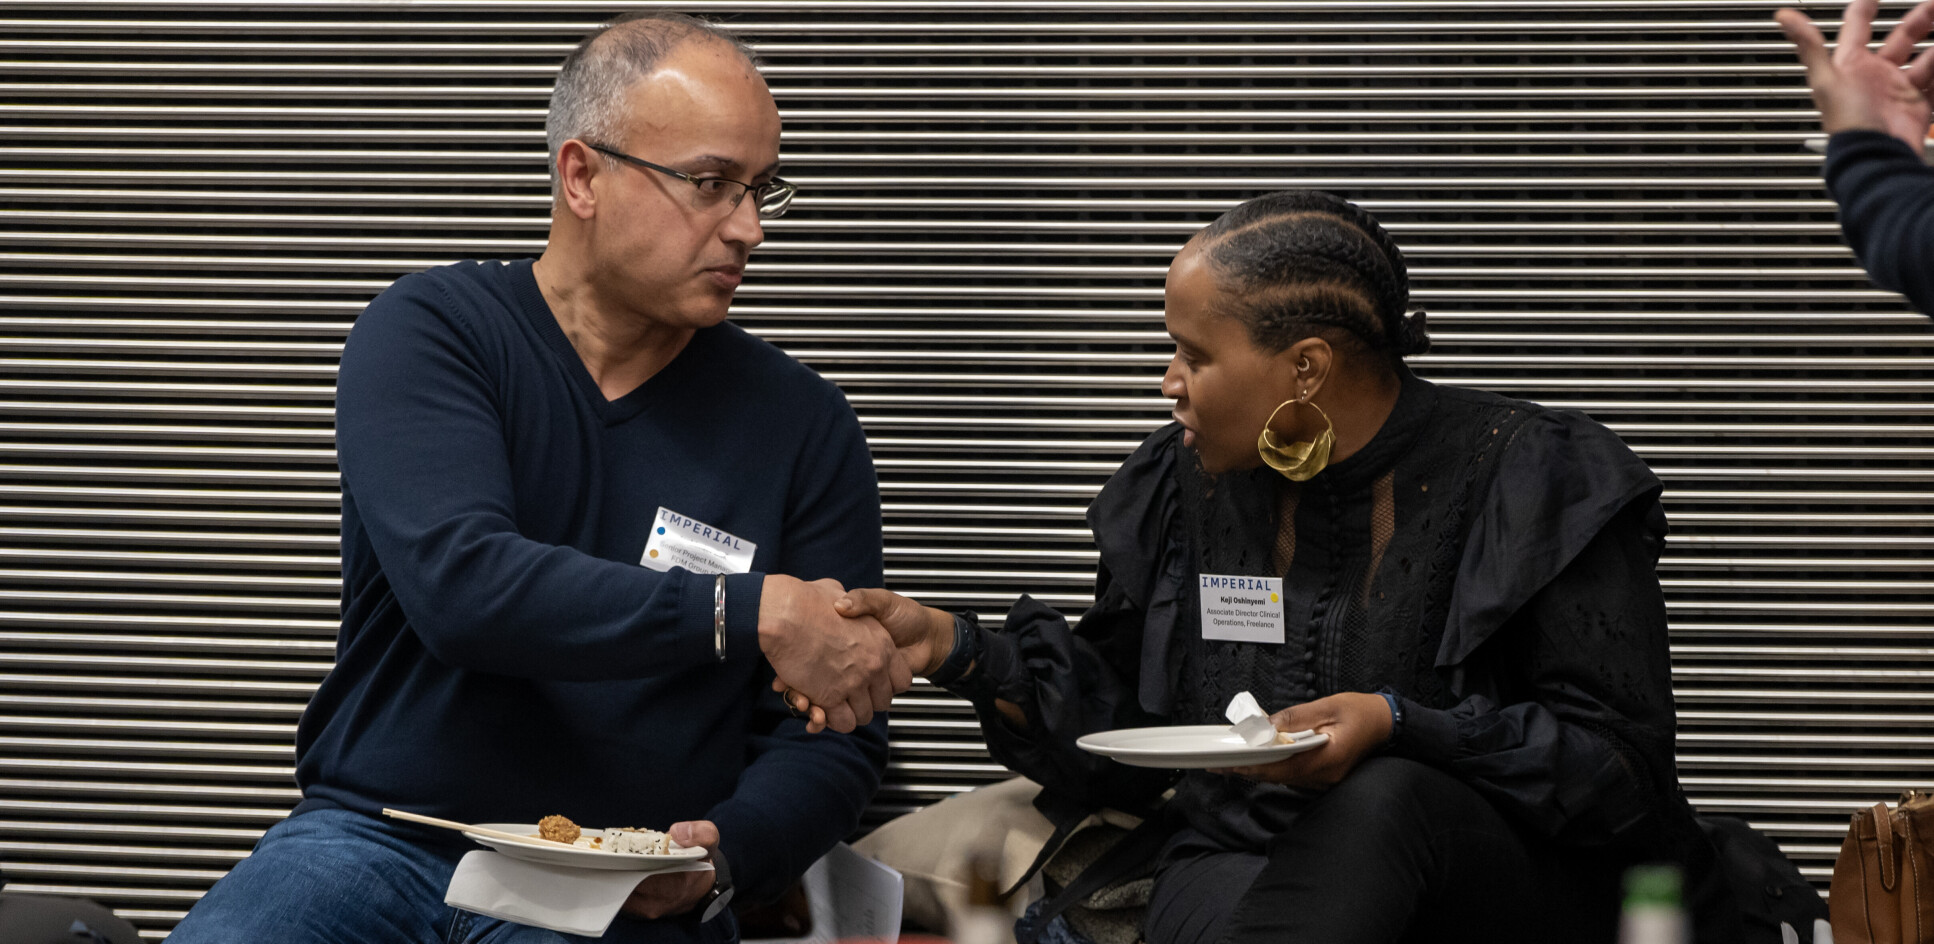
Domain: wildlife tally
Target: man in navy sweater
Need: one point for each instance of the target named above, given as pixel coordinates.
(580, 514)
(1875, 106)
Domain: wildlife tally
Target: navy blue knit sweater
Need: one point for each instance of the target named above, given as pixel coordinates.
(503, 655)
(1886, 197)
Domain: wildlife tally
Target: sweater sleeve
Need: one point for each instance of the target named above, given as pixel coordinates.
(802, 793)
(1886, 197)
(425, 463)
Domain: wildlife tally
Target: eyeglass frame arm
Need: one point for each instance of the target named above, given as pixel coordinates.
(776, 184)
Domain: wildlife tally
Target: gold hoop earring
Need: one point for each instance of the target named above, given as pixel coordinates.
(1297, 461)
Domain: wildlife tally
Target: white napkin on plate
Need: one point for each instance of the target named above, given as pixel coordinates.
(1253, 725)
(1251, 722)
(575, 901)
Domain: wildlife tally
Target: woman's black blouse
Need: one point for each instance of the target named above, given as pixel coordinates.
(1488, 560)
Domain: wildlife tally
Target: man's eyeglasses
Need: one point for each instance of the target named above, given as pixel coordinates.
(720, 194)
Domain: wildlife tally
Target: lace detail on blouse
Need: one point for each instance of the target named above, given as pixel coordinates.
(1368, 552)
(1285, 552)
(1383, 524)
(1238, 518)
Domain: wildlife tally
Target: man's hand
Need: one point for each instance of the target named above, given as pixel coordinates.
(1357, 724)
(660, 896)
(924, 635)
(1857, 89)
(849, 667)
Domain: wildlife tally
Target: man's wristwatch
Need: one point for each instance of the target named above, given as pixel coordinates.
(715, 900)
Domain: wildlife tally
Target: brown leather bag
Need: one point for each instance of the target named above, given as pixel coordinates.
(1883, 881)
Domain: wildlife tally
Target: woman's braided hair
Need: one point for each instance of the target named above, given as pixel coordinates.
(1296, 262)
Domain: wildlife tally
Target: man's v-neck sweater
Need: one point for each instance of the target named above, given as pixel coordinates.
(503, 653)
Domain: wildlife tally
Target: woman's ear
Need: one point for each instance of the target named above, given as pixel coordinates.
(1312, 359)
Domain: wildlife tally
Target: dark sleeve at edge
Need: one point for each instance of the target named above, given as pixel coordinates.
(1886, 197)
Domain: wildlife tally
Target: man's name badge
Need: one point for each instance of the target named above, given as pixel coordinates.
(1241, 609)
(680, 541)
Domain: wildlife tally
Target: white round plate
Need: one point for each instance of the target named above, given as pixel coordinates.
(1190, 746)
(550, 853)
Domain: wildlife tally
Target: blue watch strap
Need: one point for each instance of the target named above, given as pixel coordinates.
(1396, 715)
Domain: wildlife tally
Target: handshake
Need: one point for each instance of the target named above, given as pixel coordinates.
(842, 655)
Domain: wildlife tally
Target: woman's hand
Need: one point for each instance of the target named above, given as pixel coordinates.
(1357, 723)
(1858, 89)
(924, 635)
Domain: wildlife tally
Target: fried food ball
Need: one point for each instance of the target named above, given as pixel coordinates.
(558, 829)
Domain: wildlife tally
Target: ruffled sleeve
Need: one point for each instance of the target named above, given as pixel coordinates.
(1557, 637)
(1108, 671)
(1563, 478)
(1134, 521)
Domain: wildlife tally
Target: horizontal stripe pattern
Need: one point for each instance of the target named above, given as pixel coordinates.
(1608, 206)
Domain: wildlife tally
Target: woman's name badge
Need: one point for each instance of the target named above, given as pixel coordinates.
(1241, 609)
(679, 541)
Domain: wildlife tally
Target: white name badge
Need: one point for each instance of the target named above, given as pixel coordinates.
(1241, 609)
(679, 541)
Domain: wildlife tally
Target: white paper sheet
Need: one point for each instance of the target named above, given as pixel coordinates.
(851, 897)
(575, 901)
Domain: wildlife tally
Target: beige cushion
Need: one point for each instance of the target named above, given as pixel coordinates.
(933, 848)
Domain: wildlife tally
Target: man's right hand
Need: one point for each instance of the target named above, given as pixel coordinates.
(924, 635)
(848, 667)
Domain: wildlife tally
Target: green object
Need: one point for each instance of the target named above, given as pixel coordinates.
(1652, 886)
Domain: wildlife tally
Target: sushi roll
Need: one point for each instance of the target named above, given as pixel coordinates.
(640, 841)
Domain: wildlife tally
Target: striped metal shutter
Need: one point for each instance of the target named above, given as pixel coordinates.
(1606, 205)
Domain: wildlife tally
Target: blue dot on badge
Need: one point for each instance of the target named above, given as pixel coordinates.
(661, 530)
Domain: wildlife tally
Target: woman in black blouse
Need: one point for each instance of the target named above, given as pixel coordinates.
(1470, 611)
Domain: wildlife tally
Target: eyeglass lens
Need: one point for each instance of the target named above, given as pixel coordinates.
(774, 201)
(715, 193)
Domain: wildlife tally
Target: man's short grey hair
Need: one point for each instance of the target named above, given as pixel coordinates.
(587, 102)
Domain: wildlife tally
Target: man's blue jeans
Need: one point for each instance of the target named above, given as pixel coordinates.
(336, 877)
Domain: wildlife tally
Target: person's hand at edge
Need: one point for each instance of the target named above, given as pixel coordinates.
(1357, 723)
(849, 667)
(1858, 89)
(661, 896)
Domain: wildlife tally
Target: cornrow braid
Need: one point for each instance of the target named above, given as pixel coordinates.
(1298, 261)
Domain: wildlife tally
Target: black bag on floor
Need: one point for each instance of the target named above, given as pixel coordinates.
(1767, 885)
(47, 919)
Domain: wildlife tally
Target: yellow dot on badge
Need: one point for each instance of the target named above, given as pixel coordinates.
(654, 552)
(1272, 598)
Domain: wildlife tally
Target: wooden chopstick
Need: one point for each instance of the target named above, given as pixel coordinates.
(466, 827)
